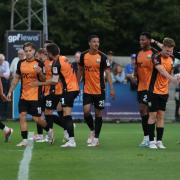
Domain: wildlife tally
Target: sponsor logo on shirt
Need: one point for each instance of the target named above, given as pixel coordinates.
(149, 56)
(98, 60)
(55, 70)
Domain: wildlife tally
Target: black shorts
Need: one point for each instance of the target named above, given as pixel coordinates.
(51, 101)
(97, 100)
(143, 97)
(157, 102)
(43, 103)
(67, 98)
(33, 108)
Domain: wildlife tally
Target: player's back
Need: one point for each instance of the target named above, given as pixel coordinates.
(160, 84)
(57, 89)
(67, 75)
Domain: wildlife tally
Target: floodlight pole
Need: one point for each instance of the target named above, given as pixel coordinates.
(29, 15)
(45, 21)
(32, 12)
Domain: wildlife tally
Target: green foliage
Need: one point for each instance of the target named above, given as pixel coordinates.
(118, 23)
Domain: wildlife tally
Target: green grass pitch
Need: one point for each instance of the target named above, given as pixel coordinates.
(117, 158)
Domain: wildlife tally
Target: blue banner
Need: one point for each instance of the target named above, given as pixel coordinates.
(123, 107)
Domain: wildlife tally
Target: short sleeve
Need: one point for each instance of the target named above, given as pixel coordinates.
(81, 63)
(156, 59)
(105, 62)
(18, 71)
(56, 68)
(40, 64)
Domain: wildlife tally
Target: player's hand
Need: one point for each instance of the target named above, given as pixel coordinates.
(37, 69)
(9, 96)
(4, 98)
(176, 78)
(152, 41)
(112, 92)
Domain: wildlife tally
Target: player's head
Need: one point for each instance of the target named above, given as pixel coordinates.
(46, 42)
(145, 40)
(41, 54)
(93, 42)
(53, 51)
(29, 49)
(168, 46)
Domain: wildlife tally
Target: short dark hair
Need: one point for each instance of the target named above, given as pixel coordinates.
(29, 44)
(169, 42)
(92, 36)
(147, 34)
(53, 49)
(41, 51)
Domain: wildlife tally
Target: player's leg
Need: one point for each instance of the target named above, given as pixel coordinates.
(67, 118)
(36, 111)
(99, 101)
(160, 120)
(67, 104)
(23, 109)
(39, 136)
(87, 101)
(160, 129)
(144, 112)
(24, 129)
(89, 120)
(151, 124)
(60, 122)
(153, 108)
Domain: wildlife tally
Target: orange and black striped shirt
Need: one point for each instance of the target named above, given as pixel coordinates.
(94, 66)
(160, 84)
(28, 75)
(144, 68)
(67, 75)
(48, 89)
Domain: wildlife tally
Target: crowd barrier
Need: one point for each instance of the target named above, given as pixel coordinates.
(123, 107)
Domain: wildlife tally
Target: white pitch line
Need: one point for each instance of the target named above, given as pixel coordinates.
(23, 173)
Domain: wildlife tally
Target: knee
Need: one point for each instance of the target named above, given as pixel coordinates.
(22, 116)
(87, 112)
(143, 111)
(152, 119)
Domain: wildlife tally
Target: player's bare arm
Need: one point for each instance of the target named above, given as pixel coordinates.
(13, 85)
(42, 77)
(163, 72)
(46, 83)
(160, 45)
